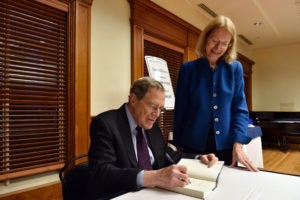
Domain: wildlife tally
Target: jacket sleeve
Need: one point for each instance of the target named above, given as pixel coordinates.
(239, 109)
(181, 99)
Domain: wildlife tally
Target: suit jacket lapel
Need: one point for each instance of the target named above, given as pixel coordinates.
(126, 136)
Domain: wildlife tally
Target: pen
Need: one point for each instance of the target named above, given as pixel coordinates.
(169, 158)
(172, 161)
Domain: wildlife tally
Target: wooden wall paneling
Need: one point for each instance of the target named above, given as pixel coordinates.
(247, 67)
(190, 54)
(191, 47)
(163, 43)
(48, 191)
(55, 4)
(82, 76)
(137, 49)
(149, 21)
(157, 22)
(150, 7)
(71, 86)
(193, 38)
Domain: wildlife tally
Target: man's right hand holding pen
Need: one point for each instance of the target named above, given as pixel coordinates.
(174, 175)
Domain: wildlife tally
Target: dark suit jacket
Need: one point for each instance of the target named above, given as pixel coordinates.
(112, 161)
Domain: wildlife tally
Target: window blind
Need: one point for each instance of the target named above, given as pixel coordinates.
(174, 60)
(33, 88)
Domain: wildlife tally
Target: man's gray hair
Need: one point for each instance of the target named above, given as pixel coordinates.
(141, 86)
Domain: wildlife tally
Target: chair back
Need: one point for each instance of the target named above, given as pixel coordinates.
(74, 179)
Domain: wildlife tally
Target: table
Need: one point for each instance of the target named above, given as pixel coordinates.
(234, 184)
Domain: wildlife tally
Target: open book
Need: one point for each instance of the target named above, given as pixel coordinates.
(203, 179)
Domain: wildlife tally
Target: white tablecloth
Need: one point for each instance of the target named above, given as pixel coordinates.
(234, 184)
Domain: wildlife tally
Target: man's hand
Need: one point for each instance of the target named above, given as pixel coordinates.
(209, 159)
(238, 155)
(168, 177)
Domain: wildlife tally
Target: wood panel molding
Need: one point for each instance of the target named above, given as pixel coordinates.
(247, 67)
(149, 21)
(80, 31)
(137, 49)
(48, 191)
(55, 4)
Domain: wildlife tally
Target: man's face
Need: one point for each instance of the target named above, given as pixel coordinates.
(147, 110)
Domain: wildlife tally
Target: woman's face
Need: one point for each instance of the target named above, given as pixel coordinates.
(217, 44)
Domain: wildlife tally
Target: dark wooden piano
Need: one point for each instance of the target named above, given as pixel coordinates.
(278, 128)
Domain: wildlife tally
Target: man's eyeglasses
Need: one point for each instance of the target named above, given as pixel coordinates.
(215, 41)
(154, 108)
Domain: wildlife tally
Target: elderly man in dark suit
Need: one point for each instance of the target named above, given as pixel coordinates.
(114, 160)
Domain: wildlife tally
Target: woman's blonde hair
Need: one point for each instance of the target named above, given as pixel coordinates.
(218, 22)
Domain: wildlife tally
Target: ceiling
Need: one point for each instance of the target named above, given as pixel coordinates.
(280, 19)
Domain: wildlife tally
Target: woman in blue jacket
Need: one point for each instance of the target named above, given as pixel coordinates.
(211, 113)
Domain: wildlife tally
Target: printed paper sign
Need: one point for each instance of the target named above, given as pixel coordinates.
(158, 69)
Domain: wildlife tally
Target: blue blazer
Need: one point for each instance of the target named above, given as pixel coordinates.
(203, 94)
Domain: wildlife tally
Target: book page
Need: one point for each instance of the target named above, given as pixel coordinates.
(197, 188)
(199, 170)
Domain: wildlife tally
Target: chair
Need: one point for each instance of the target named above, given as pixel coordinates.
(74, 178)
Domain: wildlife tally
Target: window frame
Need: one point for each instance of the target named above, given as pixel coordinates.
(79, 16)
